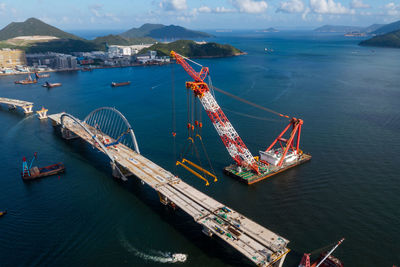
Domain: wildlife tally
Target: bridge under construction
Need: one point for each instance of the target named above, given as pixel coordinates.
(108, 131)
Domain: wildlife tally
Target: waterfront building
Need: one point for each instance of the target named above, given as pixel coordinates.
(10, 58)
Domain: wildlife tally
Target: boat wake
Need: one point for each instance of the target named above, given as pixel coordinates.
(156, 256)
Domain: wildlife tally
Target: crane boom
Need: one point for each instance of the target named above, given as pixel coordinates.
(231, 139)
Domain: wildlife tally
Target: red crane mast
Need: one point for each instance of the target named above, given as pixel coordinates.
(231, 139)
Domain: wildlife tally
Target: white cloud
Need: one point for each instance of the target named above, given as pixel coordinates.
(305, 13)
(393, 9)
(250, 6)
(2, 8)
(173, 5)
(97, 11)
(329, 7)
(223, 10)
(358, 4)
(292, 6)
(206, 9)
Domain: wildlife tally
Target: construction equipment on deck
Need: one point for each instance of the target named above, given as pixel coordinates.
(247, 168)
(325, 259)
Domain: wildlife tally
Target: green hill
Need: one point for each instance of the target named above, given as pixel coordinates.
(33, 26)
(120, 40)
(160, 31)
(391, 39)
(395, 26)
(190, 48)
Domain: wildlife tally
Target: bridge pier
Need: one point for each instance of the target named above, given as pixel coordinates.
(11, 107)
(118, 172)
(27, 109)
(67, 134)
(42, 113)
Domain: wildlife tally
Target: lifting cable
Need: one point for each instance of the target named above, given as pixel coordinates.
(173, 113)
(250, 103)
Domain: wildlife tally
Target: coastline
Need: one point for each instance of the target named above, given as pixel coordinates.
(110, 67)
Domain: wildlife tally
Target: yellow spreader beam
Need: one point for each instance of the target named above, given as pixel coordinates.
(200, 168)
(193, 172)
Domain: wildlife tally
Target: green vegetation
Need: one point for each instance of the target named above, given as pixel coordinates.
(192, 49)
(120, 40)
(391, 39)
(62, 46)
(160, 31)
(31, 27)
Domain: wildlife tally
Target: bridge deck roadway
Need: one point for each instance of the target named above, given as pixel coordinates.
(260, 245)
(26, 106)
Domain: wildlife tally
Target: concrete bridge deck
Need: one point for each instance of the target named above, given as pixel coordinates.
(13, 103)
(260, 245)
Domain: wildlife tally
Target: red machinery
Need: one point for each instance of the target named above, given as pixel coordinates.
(250, 168)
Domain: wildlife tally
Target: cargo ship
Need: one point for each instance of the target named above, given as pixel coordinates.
(114, 84)
(51, 85)
(31, 173)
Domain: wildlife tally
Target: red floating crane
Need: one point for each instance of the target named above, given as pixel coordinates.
(248, 168)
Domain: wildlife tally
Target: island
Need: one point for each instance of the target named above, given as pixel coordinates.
(391, 39)
(194, 49)
(36, 46)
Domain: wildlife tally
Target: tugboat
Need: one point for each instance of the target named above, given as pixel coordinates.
(324, 260)
(51, 85)
(31, 173)
(28, 80)
(114, 84)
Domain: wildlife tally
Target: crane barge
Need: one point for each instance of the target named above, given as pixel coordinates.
(246, 168)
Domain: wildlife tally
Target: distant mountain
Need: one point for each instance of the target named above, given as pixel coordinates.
(268, 30)
(31, 27)
(159, 31)
(373, 28)
(395, 26)
(190, 48)
(120, 40)
(338, 28)
(391, 39)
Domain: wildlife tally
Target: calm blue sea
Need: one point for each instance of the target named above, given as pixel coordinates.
(348, 97)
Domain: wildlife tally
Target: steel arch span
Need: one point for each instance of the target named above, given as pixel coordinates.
(111, 122)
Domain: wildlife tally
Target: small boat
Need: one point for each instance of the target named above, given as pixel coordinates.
(28, 80)
(51, 85)
(46, 75)
(31, 173)
(114, 84)
(86, 69)
(4, 212)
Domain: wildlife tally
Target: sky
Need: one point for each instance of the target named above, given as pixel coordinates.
(200, 14)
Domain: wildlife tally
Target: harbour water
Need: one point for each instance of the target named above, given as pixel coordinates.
(347, 96)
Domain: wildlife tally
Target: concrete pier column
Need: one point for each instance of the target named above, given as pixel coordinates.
(42, 113)
(27, 109)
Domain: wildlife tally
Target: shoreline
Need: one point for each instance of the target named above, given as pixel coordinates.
(111, 67)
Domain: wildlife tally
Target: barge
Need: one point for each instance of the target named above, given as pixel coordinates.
(51, 85)
(266, 169)
(31, 173)
(114, 84)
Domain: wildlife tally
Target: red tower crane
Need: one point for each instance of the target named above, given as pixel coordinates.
(250, 168)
